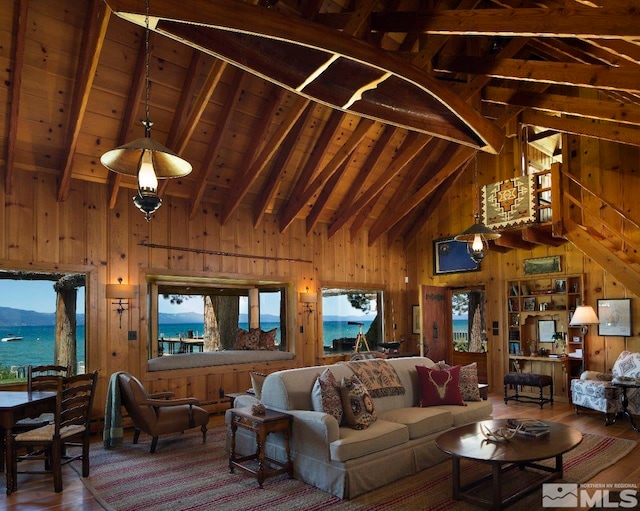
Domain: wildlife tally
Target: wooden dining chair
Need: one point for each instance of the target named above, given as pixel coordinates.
(52, 443)
(40, 379)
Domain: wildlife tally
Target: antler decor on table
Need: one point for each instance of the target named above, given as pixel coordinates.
(501, 434)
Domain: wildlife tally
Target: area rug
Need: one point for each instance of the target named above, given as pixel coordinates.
(184, 474)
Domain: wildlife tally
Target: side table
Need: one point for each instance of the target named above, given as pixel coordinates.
(261, 425)
(626, 384)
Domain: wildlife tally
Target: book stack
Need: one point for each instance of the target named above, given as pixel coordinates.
(529, 427)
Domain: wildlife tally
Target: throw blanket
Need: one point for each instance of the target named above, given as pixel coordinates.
(113, 433)
(378, 376)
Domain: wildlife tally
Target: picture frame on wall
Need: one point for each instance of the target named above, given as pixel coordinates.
(615, 317)
(415, 319)
(542, 265)
(529, 304)
(451, 256)
(546, 330)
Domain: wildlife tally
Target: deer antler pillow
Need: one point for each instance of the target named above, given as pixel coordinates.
(439, 387)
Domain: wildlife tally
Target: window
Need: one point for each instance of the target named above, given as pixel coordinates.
(28, 318)
(348, 312)
(469, 330)
(205, 315)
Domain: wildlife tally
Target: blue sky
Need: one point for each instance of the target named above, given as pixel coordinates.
(32, 295)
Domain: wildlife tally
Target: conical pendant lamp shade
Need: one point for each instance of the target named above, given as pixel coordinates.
(126, 159)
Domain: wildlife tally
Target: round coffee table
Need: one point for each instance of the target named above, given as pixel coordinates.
(520, 451)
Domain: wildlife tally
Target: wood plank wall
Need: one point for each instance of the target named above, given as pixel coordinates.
(607, 168)
(83, 234)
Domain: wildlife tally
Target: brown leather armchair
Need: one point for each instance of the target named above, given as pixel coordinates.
(158, 414)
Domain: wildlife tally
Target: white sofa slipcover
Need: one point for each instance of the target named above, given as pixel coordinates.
(347, 462)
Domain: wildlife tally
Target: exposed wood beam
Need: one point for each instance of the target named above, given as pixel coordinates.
(279, 166)
(307, 172)
(602, 130)
(325, 194)
(561, 73)
(584, 23)
(129, 114)
(222, 124)
(541, 237)
(17, 54)
(555, 103)
(296, 203)
(92, 39)
(534, 137)
(243, 182)
(461, 157)
(624, 273)
(513, 239)
(411, 147)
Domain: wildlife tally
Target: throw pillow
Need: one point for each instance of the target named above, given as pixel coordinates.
(257, 379)
(326, 397)
(268, 339)
(469, 382)
(357, 404)
(439, 387)
(247, 340)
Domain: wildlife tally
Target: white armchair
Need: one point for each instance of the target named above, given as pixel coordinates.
(596, 391)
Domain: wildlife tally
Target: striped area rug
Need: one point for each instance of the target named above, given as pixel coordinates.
(184, 474)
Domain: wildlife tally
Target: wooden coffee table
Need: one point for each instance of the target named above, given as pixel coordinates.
(519, 452)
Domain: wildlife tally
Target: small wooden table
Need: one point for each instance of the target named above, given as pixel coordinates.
(261, 425)
(13, 407)
(520, 451)
(625, 384)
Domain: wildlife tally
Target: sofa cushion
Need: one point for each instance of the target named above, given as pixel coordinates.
(468, 380)
(439, 387)
(379, 376)
(474, 411)
(247, 340)
(268, 339)
(379, 436)
(326, 397)
(359, 412)
(420, 421)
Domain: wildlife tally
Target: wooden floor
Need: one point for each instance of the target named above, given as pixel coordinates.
(36, 492)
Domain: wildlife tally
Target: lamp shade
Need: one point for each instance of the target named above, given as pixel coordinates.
(120, 291)
(308, 297)
(584, 315)
(126, 159)
(477, 229)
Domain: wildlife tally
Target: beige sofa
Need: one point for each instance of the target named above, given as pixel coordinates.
(347, 462)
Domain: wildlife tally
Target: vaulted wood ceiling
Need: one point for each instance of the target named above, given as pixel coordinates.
(74, 87)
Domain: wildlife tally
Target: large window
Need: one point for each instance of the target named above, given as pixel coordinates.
(348, 312)
(208, 314)
(42, 321)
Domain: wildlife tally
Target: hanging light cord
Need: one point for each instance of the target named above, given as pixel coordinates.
(147, 123)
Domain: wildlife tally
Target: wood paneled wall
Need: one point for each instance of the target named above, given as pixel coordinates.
(83, 234)
(607, 167)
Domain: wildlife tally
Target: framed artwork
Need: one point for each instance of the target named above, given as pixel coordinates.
(561, 286)
(415, 319)
(615, 317)
(542, 265)
(529, 304)
(451, 256)
(546, 329)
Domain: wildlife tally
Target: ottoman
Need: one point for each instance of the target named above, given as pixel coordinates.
(517, 380)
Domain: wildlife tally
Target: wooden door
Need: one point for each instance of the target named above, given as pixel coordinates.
(436, 322)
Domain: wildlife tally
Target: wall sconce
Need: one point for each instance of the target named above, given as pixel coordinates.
(307, 299)
(583, 317)
(120, 292)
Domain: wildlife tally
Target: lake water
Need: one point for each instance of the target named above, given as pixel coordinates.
(37, 345)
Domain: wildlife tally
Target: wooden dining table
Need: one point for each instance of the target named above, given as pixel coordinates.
(16, 405)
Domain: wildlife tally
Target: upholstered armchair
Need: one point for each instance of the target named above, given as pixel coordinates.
(597, 391)
(159, 414)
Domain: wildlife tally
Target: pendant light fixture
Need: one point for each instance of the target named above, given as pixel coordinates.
(477, 236)
(145, 157)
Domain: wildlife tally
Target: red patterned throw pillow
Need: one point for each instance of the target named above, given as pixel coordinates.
(326, 397)
(439, 387)
(248, 340)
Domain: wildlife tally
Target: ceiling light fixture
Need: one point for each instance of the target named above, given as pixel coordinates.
(477, 236)
(146, 158)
